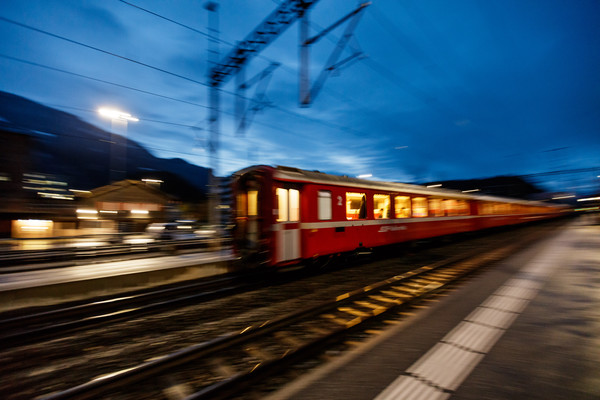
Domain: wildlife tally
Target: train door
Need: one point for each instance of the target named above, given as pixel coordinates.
(287, 226)
(248, 230)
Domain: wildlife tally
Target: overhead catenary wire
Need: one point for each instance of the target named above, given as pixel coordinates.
(370, 63)
(99, 80)
(32, 28)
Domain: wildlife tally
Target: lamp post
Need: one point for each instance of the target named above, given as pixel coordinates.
(118, 151)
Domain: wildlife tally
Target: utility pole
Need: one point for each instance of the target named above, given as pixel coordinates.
(213, 119)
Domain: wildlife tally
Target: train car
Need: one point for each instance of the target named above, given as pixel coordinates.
(286, 215)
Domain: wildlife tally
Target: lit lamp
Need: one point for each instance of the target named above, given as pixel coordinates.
(116, 114)
(118, 154)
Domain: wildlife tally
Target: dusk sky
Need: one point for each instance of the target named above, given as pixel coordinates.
(447, 89)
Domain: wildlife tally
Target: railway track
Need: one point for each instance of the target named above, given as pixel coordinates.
(221, 367)
(19, 330)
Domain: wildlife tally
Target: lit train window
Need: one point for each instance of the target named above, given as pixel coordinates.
(381, 204)
(463, 207)
(402, 206)
(252, 202)
(241, 205)
(450, 207)
(356, 205)
(435, 208)
(282, 204)
(324, 205)
(419, 207)
(288, 205)
(294, 205)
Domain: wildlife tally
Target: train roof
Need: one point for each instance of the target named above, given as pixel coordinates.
(296, 174)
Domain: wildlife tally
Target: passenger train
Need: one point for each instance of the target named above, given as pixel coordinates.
(287, 215)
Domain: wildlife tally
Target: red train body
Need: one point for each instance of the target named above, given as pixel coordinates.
(286, 215)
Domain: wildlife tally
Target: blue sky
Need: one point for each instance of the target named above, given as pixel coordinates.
(448, 89)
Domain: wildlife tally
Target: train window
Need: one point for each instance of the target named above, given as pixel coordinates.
(241, 205)
(419, 207)
(402, 206)
(294, 205)
(382, 206)
(356, 205)
(252, 202)
(463, 207)
(324, 205)
(288, 205)
(450, 207)
(435, 208)
(282, 204)
(485, 208)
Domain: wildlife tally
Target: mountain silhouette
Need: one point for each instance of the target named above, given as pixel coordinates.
(80, 153)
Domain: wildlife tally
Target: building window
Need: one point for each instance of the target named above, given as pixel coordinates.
(381, 209)
(402, 206)
(324, 205)
(356, 205)
(419, 207)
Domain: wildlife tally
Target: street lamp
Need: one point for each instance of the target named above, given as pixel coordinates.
(118, 151)
(116, 114)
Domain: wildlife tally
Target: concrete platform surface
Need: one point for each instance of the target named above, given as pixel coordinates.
(55, 285)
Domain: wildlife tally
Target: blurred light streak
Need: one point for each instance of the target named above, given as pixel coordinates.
(86, 211)
(34, 224)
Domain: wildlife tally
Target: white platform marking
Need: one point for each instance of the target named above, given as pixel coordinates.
(447, 364)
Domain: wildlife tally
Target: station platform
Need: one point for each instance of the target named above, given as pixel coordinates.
(41, 287)
(528, 328)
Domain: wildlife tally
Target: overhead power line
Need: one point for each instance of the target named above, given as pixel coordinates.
(325, 123)
(100, 80)
(10, 21)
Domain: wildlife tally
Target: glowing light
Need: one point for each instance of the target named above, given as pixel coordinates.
(86, 211)
(365, 176)
(435, 186)
(570, 196)
(139, 212)
(470, 191)
(34, 225)
(116, 114)
(589, 199)
(108, 212)
(138, 240)
(152, 180)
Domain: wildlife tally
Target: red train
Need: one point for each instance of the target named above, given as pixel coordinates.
(285, 215)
